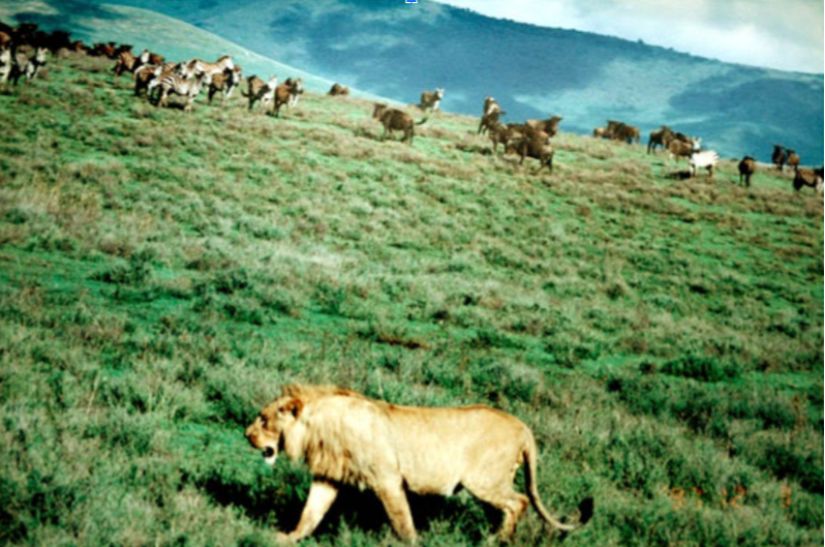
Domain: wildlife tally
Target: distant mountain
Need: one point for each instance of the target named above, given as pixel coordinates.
(396, 50)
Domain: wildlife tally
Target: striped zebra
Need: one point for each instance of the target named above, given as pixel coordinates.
(192, 67)
(175, 84)
(6, 64)
(23, 65)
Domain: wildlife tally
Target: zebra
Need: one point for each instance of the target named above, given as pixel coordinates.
(190, 68)
(175, 84)
(6, 64)
(29, 66)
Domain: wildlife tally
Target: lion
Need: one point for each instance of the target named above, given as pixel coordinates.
(347, 438)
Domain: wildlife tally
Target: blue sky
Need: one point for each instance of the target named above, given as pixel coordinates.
(783, 34)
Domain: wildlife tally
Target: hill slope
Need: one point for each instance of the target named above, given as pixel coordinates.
(397, 50)
(176, 39)
(164, 272)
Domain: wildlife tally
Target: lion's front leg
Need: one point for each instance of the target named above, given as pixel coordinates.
(395, 503)
(320, 498)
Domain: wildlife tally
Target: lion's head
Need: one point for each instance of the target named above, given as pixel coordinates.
(276, 420)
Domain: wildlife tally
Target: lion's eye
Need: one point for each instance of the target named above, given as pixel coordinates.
(263, 421)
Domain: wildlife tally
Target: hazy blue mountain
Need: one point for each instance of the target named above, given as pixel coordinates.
(396, 50)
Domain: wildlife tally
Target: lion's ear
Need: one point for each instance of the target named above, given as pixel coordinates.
(293, 406)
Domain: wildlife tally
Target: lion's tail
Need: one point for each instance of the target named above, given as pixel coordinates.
(585, 507)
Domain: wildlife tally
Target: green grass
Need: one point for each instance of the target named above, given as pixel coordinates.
(163, 273)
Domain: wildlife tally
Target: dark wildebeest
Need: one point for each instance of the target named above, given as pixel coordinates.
(79, 47)
(504, 134)
(626, 133)
(395, 120)
(430, 100)
(533, 143)
(808, 177)
(104, 50)
(128, 62)
(55, 40)
(259, 90)
(489, 121)
(747, 167)
(683, 149)
(224, 83)
(489, 115)
(549, 126)
(338, 89)
(144, 75)
(660, 137)
(779, 156)
(155, 58)
(287, 94)
(792, 159)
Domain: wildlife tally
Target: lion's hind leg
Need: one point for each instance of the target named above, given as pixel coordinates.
(510, 503)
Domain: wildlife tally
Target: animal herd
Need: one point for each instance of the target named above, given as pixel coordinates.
(24, 51)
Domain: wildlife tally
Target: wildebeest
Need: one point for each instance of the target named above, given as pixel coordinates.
(79, 47)
(679, 148)
(533, 143)
(504, 134)
(430, 100)
(338, 89)
(287, 94)
(489, 121)
(296, 91)
(792, 160)
(127, 62)
(489, 115)
(54, 40)
(395, 120)
(259, 90)
(747, 167)
(619, 131)
(808, 177)
(101, 49)
(549, 126)
(155, 58)
(660, 137)
(624, 132)
(224, 83)
(144, 75)
(706, 159)
(779, 156)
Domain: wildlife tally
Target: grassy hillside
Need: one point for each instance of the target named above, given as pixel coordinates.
(397, 50)
(148, 29)
(163, 273)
